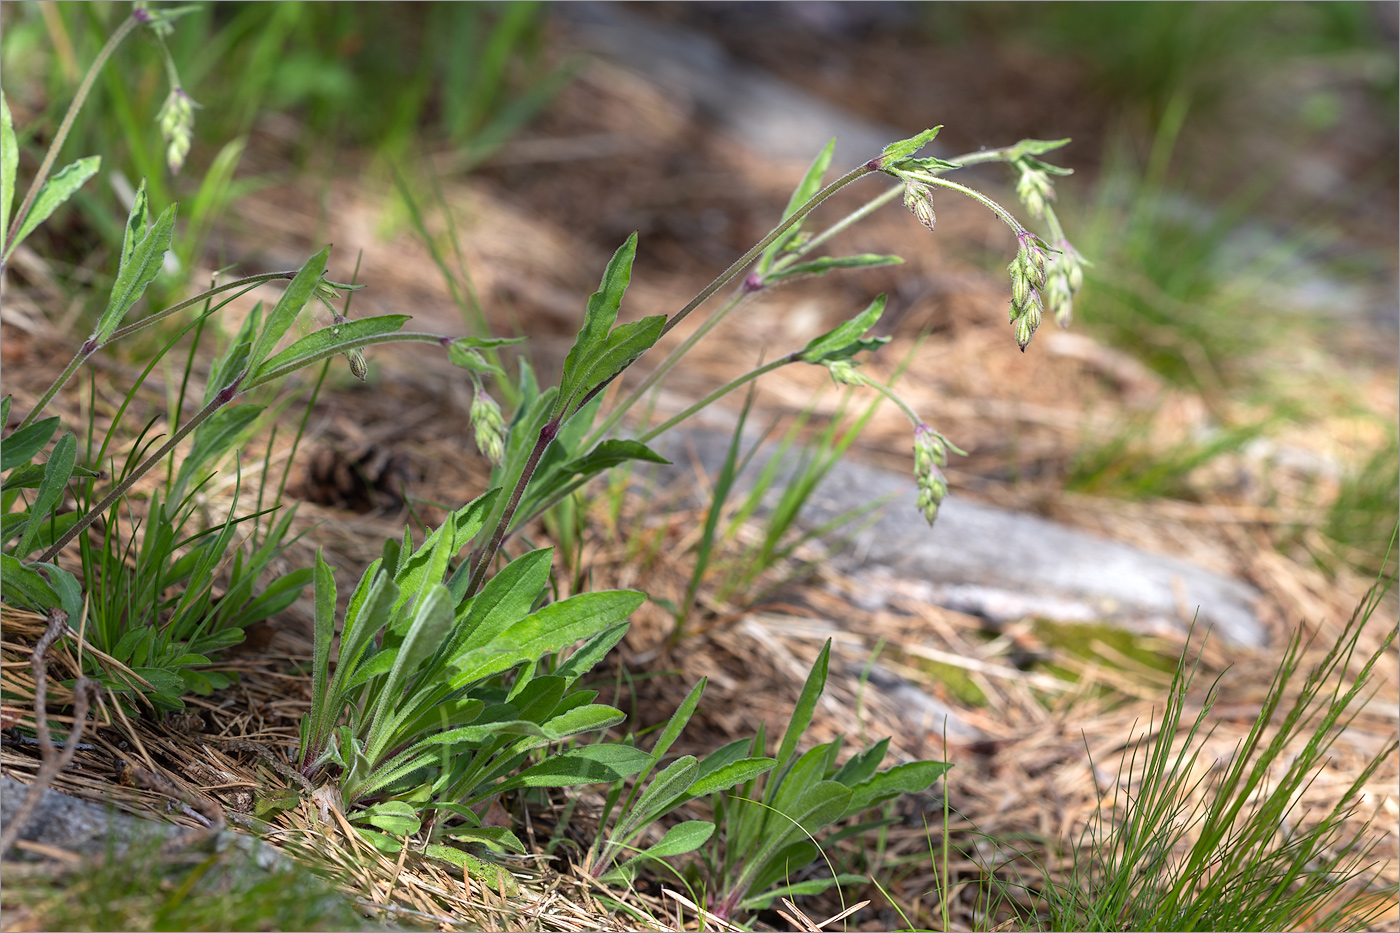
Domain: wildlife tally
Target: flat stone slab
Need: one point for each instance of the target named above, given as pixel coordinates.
(997, 563)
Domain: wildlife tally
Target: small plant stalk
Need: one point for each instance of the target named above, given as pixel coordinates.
(79, 98)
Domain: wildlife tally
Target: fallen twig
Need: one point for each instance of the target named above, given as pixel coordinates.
(53, 762)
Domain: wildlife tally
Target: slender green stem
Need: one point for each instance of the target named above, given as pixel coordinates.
(849, 220)
(221, 399)
(130, 23)
(325, 353)
(888, 393)
(88, 349)
(483, 564)
(716, 395)
(1007, 217)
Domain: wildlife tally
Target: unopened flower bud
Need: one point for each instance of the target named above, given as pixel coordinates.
(1034, 190)
(488, 426)
(933, 488)
(176, 121)
(844, 372)
(929, 449)
(919, 200)
(1058, 297)
(1020, 286)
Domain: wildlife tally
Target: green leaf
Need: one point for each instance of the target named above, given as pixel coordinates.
(679, 839)
(619, 350)
(1032, 147)
(805, 772)
(504, 600)
(800, 889)
(676, 724)
(386, 844)
(599, 316)
(835, 343)
(392, 816)
(729, 774)
(594, 650)
(21, 446)
(591, 718)
(825, 264)
(553, 628)
(610, 453)
(724, 755)
(805, 706)
(660, 796)
(23, 581)
(432, 619)
(323, 597)
(929, 164)
(56, 474)
(137, 221)
(908, 778)
(863, 766)
(69, 591)
(591, 764)
(817, 808)
(904, 148)
(293, 299)
(326, 342)
(56, 190)
(9, 165)
(147, 258)
(497, 836)
(810, 184)
(493, 876)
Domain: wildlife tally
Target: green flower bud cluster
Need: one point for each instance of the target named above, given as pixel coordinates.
(488, 426)
(1028, 276)
(930, 454)
(1033, 187)
(176, 120)
(1065, 279)
(918, 198)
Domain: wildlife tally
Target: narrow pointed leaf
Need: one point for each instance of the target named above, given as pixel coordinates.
(137, 223)
(805, 706)
(323, 598)
(585, 658)
(810, 184)
(839, 338)
(601, 313)
(326, 342)
(904, 148)
(144, 264)
(21, 446)
(827, 263)
(909, 778)
(679, 839)
(619, 350)
(57, 472)
(9, 164)
(592, 764)
(293, 299)
(727, 775)
(58, 189)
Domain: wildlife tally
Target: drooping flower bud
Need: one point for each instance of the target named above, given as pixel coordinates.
(176, 121)
(933, 488)
(488, 426)
(844, 373)
(918, 198)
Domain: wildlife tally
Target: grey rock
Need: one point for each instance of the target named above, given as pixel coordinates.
(998, 563)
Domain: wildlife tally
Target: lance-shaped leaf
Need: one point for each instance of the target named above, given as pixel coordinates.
(904, 148)
(432, 619)
(9, 164)
(56, 190)
(826, 263)
(600, 352)
(24, 586)
(929, 164)
(324, 343)
(801, 889)
(845, 340)
(140, 269)
(908, 778)
(494, 877)
(288, 307)
(57, 472)
(594, 650)
(679, 839)
(810, 184)
(591, 764)
(817, 808)
(1032, 147)
(137, 225)
(802, 712)
(619, 350)
(21, 446)
(1045, 167)
(608, 454)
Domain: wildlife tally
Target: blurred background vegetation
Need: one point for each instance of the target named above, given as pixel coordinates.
(1236, 186)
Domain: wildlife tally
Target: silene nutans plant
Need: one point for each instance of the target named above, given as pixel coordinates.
(457, 677)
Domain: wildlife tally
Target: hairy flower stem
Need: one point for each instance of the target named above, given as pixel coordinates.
(222, 398)
(498, 534)
(89, 349)
(728, 275)
(79, 98)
